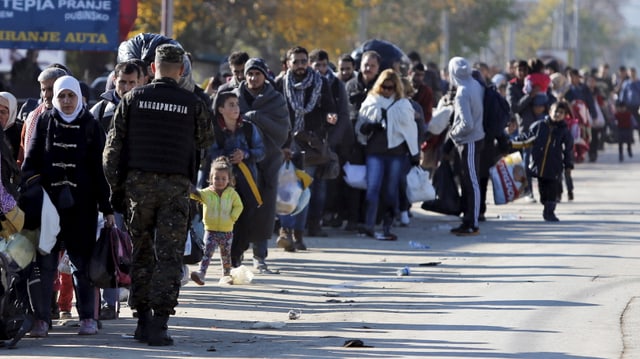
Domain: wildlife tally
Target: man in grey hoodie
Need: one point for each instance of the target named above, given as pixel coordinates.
(467, 134)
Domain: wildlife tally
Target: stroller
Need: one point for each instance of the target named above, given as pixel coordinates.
(16, 276)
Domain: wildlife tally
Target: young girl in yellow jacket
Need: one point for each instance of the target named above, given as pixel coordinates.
(221, 208)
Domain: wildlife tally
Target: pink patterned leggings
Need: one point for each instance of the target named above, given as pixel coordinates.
(222, 240)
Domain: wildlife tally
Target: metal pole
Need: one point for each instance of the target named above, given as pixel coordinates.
(445, 39)
(576, 37)
(362, 23)
(166, 27)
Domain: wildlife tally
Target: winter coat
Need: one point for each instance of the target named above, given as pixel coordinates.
(551, 146)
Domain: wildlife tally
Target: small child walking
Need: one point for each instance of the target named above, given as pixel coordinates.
(221, 208)
(624, 123)
(551, 154)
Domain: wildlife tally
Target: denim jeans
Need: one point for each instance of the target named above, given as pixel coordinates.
(383, 177)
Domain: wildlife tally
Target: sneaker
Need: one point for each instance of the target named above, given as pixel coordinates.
(65, 315)
(259, 264)
(465, 230)
(404, 218)
(107, 312)
(197, 277)
(88, 327)
(285, 240)
(40, 329)
(531, 199)
(226, 280)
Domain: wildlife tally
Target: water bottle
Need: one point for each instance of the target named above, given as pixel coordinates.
(418, 245)
(508, 217)
(402, 272)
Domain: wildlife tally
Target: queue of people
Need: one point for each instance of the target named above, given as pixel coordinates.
(147, 153)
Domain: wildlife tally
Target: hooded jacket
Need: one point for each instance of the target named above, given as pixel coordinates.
(468, 109)
(551, 146)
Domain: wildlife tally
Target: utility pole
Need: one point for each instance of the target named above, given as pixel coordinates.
(363, 19)
(444, 60)
(166, 27)
(576, 34)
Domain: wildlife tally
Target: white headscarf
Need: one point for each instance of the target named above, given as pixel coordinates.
(67, 83)
(7, 99)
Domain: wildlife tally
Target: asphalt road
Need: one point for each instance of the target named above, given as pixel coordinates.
(523, 288)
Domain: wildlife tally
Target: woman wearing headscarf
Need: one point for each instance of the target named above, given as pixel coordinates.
(387, 128)
(66, 152)
(8, 111)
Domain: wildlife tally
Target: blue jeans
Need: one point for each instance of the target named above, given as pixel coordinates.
(383, 177)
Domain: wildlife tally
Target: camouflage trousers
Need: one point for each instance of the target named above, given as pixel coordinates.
(157, 216)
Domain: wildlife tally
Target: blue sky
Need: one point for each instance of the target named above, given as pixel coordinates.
(631, 11)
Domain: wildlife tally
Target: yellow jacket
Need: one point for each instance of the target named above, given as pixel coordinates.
(220, 212)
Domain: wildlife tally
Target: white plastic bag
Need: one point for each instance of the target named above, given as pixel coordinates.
(303, 202)
(440, 119)
(355, 175)
(241, 275)
(289, 189)
(419, 187)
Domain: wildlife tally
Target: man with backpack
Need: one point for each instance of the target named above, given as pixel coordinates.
(496, 115)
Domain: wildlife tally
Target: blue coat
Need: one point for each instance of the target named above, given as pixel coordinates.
(551, 146)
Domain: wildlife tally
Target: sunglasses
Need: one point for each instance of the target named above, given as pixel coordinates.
(389, 88)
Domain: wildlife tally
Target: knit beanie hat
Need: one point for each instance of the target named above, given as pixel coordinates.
(257, 64)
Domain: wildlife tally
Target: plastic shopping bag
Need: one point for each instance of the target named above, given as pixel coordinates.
(447, 196)
(355, 175)
(509, 179)
(289, 189)
(419, 187)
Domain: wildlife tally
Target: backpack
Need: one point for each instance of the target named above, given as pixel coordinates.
(496, 113)
(110, 265)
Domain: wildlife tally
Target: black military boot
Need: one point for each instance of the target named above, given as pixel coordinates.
(142, 329)
(158, 335)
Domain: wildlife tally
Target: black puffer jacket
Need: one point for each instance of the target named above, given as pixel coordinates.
(551, 148)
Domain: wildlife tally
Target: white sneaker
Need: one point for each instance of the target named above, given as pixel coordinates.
(531, 199)
(404, 218)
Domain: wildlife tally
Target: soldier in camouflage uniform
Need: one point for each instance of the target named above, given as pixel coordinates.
(149, 161)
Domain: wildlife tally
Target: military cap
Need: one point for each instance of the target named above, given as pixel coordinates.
(170, 53)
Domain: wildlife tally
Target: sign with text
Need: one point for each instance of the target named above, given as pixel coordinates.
(59, 24)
